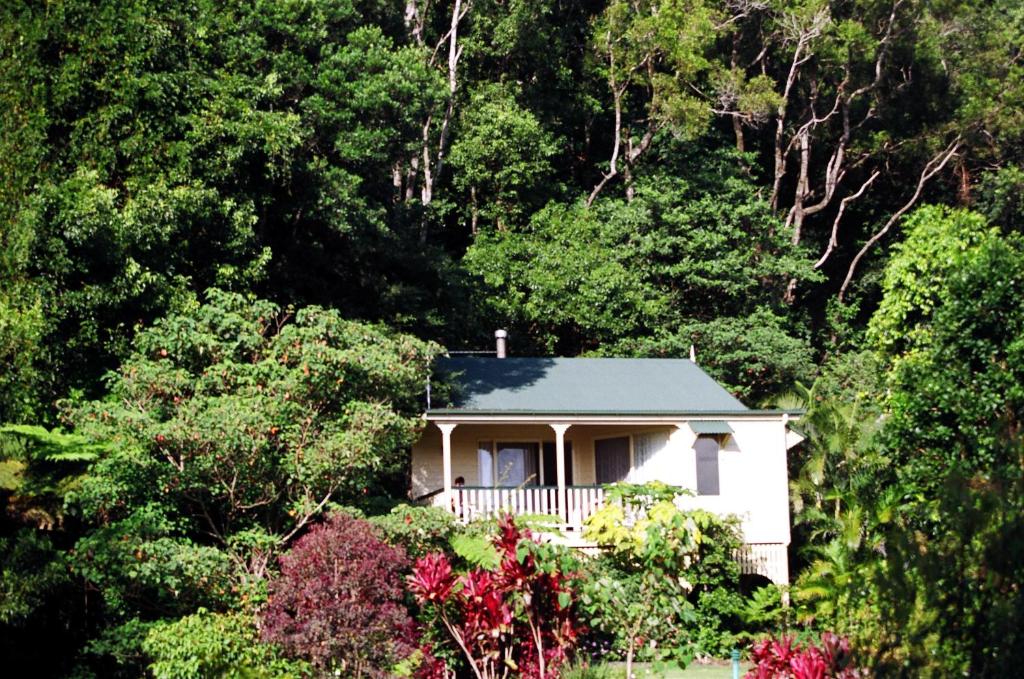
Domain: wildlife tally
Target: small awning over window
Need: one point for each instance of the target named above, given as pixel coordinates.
(710, 427)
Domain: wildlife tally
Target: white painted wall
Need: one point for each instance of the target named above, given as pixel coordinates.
(753, 479)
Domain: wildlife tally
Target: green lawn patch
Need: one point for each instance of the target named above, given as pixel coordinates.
(722, 670)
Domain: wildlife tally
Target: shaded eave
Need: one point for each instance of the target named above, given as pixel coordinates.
(600, 417)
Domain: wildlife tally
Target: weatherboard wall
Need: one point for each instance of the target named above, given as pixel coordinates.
(752, 466)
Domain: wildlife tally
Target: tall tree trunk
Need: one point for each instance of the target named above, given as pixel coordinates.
(431, 158)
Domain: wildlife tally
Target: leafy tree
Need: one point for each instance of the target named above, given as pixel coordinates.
(640, 598)
(501, 159)
(246, 419)
(955, 442)
(697, 261)
(338, 600)
(937, 241)
(157, 149)
(652, 54)
(752, 356)
(863, 107)
(923, 552)
(115, 227)
(175, 492)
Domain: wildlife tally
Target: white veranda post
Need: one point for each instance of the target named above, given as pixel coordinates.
(560, 429)
(446, 460)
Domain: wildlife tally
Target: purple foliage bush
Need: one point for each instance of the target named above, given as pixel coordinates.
(338, 600)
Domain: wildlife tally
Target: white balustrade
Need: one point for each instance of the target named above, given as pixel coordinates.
(768, 559)
(469, 503)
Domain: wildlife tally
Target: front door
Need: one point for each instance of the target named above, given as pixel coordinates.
(611, 459)
(550, 464)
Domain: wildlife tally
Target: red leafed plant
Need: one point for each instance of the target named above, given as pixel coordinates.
(338, 601)
(517, 618)
(786, 659)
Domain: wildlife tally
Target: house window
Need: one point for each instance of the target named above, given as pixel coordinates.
(611, 459)
(508, 464)
(485, 462)
(707, 465)
(646, 448)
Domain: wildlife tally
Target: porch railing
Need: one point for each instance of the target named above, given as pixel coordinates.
(474, 502)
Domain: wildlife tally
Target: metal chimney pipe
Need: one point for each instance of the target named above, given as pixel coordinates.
(500, 337)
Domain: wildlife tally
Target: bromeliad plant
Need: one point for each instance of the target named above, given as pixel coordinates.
(786, 659)
(519, 617)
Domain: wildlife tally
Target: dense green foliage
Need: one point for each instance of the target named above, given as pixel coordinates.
(692, 163)
(224, 225)
(227, 430)
(667, 588)
(207, 644)
(914, 524)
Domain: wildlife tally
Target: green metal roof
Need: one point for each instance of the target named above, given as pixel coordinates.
(710, 427)
(606, 386)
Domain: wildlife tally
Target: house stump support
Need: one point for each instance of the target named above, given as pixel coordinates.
(563, 507)
(446, 460)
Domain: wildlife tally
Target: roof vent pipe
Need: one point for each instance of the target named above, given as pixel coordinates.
(500, 337)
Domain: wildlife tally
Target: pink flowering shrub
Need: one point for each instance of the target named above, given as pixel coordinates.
(338, 601)
(517, 619)
(786, 659)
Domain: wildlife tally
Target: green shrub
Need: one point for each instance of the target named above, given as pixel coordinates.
(419, 530)
(223, 645)
(714, 575)
(668, 586)
(636, 595)
(763, 610)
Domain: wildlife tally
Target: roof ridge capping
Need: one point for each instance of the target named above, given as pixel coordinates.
(585, 385)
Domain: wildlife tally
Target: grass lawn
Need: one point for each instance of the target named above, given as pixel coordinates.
(694, 671)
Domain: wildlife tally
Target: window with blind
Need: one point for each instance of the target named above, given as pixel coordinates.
(706, 448)
(611, 459)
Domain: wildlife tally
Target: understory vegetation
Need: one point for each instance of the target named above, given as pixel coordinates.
(235, 236)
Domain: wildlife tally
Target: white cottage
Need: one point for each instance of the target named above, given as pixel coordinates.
(543, 435)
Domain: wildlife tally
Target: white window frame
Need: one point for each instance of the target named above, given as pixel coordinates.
(494, 459)
(633, 469)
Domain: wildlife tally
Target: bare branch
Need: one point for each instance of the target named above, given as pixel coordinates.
(933, 167)
(414, 18)
(803, 36)
(300, 524)
(833, 241)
